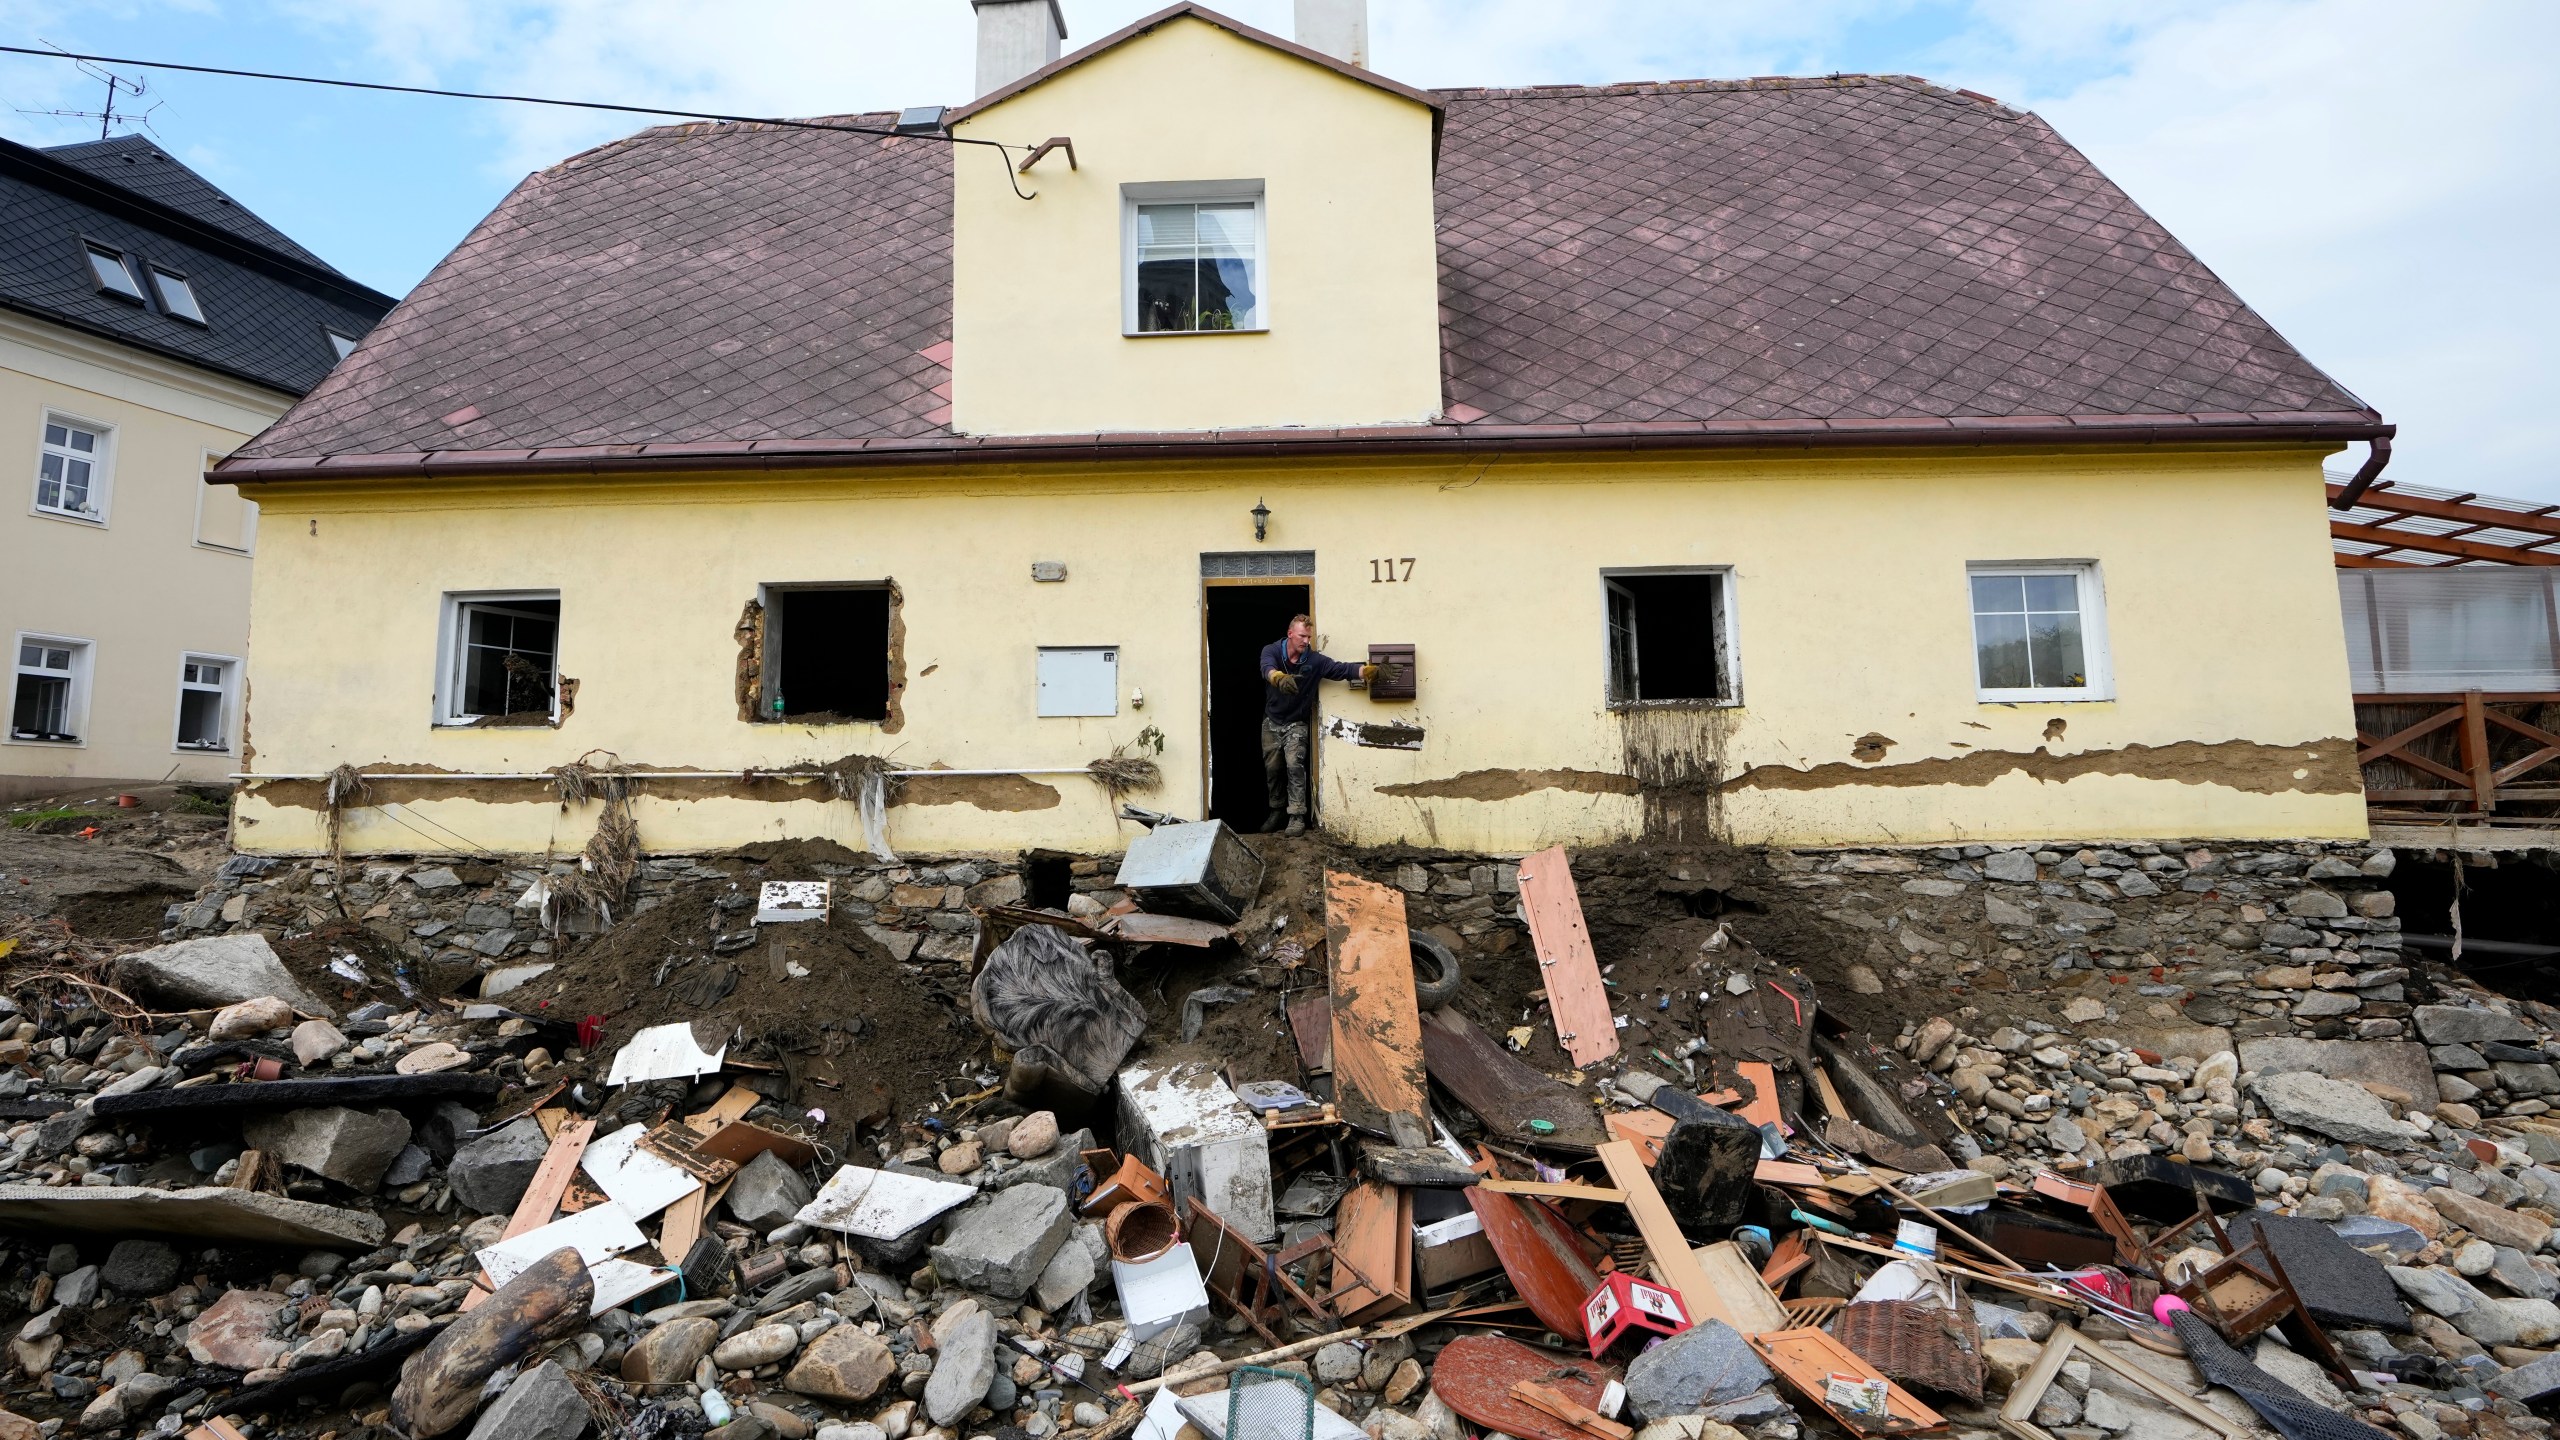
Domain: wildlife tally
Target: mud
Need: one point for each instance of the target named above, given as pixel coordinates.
(2320, 767)
(987, 792)
(385, 787)
(1676, 755)
(1512, 784)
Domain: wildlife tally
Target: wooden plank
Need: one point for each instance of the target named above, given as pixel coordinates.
(733, 1105)
(542, 1197)
(1503, 1090)
(739, 1142)
(683, 1226)
(1547, 1260)
(1761, 1081)
(1785, 1172)
(1555, 1190)
(1368, 1235)
(1673, 1262)
(1311, 1025)
(1791, 1255)
(1808, 1358)
(1378, 1071)
(1570, 970)
(1731, 1273)
(1644, 1129)
(1580, 1417)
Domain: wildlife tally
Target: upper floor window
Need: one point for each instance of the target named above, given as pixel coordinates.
(2039, 632)
(177, 296)
(1195, 259)
(71, 477)
(115, 273)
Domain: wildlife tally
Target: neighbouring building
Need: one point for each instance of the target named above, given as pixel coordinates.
(148, 324)
(1840, 460)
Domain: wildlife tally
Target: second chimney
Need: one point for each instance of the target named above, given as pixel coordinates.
(1339, 28)
(1016, 37)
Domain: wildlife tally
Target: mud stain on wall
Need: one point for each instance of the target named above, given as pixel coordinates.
(987, 792)
(1676, 756)
(750, 637)
(1869, 748)
(2320, 767)
(1512, 784)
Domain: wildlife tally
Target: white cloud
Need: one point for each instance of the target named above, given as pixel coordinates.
(2376, 177)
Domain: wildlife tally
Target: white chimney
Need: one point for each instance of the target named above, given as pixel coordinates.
(1015, 37)
(1339, 28)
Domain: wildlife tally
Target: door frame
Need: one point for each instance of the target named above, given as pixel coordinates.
(1208, 758)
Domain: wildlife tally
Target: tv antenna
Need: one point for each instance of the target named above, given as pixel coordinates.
(109, 117)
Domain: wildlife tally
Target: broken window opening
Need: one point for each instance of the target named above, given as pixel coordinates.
(825, 654)
(1048, 879)
(204, 702)
(45, 694)
(1669, 638)
(502, 666)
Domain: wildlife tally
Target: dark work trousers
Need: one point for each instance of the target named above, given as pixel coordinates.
(1284, 765)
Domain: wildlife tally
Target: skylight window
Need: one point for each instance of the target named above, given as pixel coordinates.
(177, 296)
(345, 345)
(115, 276)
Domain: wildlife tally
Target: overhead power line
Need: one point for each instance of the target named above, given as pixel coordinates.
(1001, 148)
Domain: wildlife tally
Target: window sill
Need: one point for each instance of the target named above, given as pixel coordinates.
(1189, 334)
(200, 750)
(224, 549)
(70, 743)
(2043, 697)
(94, 522)
(1624, 706)
(498, 722)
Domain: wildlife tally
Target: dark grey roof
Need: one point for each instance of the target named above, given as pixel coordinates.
(137, 163)
(269, 304)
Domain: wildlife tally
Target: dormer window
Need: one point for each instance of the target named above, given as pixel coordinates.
(115, 274)
(1195, 259)
(177, 296)
(344, 345)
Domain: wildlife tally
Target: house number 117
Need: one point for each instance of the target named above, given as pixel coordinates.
(1383, 572)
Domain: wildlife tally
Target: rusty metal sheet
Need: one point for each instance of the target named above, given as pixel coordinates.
(1548, 1261)
(1501, 1088)
(1585, 1025)
(1474, 1375)
(1311, 1023)
(1377, 1032)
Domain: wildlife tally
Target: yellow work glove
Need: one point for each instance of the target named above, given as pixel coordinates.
(1283, 680)
(1368, 673)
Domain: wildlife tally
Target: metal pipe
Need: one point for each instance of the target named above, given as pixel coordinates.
(2364, 477)
(2471, 946)
(663, 774)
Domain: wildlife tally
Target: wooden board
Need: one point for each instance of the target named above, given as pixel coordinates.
(1580, 1417)
(1761, 1081)
(739, 1142)
(1731, 1273)
(1555, 1190)
(1548, 1262)
(542, 1197)
(1373, 1231)
(1585, 1025)
(1644, 1129)
(1785, 1172)
(1474, 1374)
(1311, 1025)
(685, 1218)
(1807, 1358)
(1673, 1262)
(1503, 1091)
(1378, 1072)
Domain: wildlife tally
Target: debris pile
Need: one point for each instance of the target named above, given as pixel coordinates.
(1272, 1137)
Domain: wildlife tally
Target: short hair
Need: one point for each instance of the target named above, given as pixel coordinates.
(1307, 620)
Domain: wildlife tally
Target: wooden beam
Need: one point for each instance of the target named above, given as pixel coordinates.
(1673, 1261)
(2543, 519)
(542, 1197)
(1578, 1002)
(2440, 545)
(1377, 1031)
(1554, 1190)
(2475, 753)
(2349, 560)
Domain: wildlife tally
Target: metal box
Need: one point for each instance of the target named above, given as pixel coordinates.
(1395, 672)
(1199, 868)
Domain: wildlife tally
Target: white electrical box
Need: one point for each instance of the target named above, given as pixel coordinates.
(1080, 680)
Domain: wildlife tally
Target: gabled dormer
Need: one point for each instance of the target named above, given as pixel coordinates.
(1241, 237)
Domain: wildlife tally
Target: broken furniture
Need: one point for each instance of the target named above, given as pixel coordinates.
(1842, 1383)
(1509, 1097)
(2018, 1415)
(1198, 868)
(1264, 1286)
(2246, 1292)
(1476, 1375)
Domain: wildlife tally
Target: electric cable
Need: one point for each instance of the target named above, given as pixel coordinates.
(1000, 147)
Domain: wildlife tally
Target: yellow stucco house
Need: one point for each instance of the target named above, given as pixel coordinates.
(1824, 461)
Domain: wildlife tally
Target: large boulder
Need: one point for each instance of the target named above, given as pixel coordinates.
(542, 1404)
(490, 1174)
(1705, 1365)
(1002, 1242)
(2467, 1025)
(667, 1354)
(2333, 1108)
(352, 1147)
(767, 1193)
(212, 972)
(964, 1368)
(140, 1267)
(2493, 1223)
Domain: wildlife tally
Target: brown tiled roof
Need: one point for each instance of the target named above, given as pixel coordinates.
(1780, 261)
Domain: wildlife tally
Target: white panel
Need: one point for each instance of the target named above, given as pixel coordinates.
(2471, 627)
(1080, 680)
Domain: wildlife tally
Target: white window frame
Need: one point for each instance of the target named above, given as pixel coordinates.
(452, 654)
(102, 470)
(1728, 637)
(84, 656)
(248, 515)
(1041, 701)
(2093, 634)
(162, 279)
(1192, 192)
(228, 689)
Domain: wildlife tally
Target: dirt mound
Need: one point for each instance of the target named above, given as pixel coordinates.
(858, 1034)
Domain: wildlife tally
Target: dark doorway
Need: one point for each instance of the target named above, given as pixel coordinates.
(831, 648)
(1241, 620)
(2510, 918)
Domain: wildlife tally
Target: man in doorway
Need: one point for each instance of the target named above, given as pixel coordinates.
(1291, 666)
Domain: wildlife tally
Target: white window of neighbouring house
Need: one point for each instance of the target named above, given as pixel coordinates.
(114, 273)
(49, 691)
(1670, 637)
(206, 684)
(2039, 631)
(177, 295)
(71, 469)
(224, 521)
(501, 659)
(1194, 259)
(1079, 680)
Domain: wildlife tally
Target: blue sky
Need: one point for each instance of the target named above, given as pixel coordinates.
(2377, 178)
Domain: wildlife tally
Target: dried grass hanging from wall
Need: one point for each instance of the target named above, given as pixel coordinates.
(344, 788)
(611, 859)
(868, 781)
(1126, 771)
